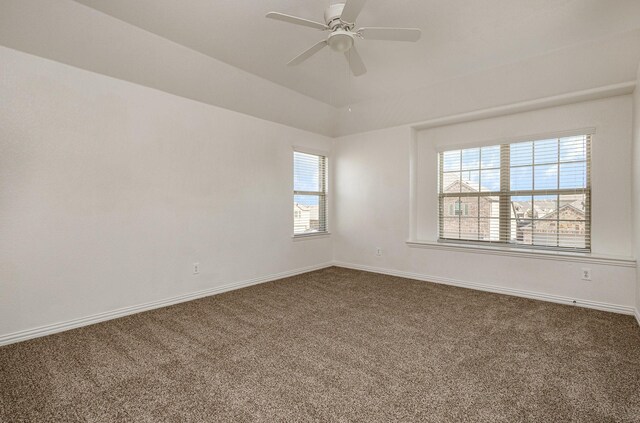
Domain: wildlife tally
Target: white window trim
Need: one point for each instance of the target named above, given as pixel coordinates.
(589, 132)
(307, 150)
(327, 232)
(413, 184)
(311, 236)
(590, 258)
(512, 140)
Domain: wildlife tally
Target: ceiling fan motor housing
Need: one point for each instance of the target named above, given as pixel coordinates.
(341, 39)
(332, 15)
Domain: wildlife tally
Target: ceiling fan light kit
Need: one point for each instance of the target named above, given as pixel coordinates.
(340, 40)
(340, 20)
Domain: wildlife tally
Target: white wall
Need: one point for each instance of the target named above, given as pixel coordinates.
(636, 183)
(109, 191)
(611, 185)
(72, 33)
(373, 193)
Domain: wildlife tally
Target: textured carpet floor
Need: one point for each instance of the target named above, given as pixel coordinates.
(334, 345)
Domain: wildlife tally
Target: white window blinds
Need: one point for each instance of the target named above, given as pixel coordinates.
(309, 193)
(534, 193)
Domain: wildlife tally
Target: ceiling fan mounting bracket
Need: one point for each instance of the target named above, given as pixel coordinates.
(332, 17)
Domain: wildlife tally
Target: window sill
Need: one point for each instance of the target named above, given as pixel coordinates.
(307, 237)
(528, 253)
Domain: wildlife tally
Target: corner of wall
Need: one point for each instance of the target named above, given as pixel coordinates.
(636, 184)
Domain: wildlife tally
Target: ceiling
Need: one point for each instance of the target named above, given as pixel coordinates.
(460, 37)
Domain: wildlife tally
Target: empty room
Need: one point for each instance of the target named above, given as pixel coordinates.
(319, 211)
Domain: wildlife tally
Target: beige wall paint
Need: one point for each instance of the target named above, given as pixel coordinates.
(110, 191)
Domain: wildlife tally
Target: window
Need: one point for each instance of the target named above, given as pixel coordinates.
(309, 193)
(534, 193)
(458, 209)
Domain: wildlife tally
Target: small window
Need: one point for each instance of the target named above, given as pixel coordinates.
(309, 193)
(534, 193)
(461, 209)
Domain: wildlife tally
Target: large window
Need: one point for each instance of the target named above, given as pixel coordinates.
(534, 193)
(309, 193)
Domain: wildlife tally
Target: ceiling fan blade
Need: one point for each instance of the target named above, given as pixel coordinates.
(308, 53)
(295, 20)
(355, 62)
(391, 34)
(351, 10)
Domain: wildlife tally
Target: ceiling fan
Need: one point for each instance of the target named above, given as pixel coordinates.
(340, 19)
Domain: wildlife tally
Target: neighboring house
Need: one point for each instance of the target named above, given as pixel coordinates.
(475, 214)
(564, 227)
(540, 223)
(305, 218)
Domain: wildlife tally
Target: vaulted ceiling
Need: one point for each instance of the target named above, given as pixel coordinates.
(459, 37)
(472, 55)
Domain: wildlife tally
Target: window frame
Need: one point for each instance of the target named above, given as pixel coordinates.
(504, 194)
(323, 194)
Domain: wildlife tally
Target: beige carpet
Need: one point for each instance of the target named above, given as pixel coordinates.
(334, 345)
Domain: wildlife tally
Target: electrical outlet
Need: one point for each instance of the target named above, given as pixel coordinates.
(196, 268)
(586, 274)
(378, 251)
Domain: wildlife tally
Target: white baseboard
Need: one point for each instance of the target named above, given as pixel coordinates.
(24, 335)
(495, 289)
(114, 314)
